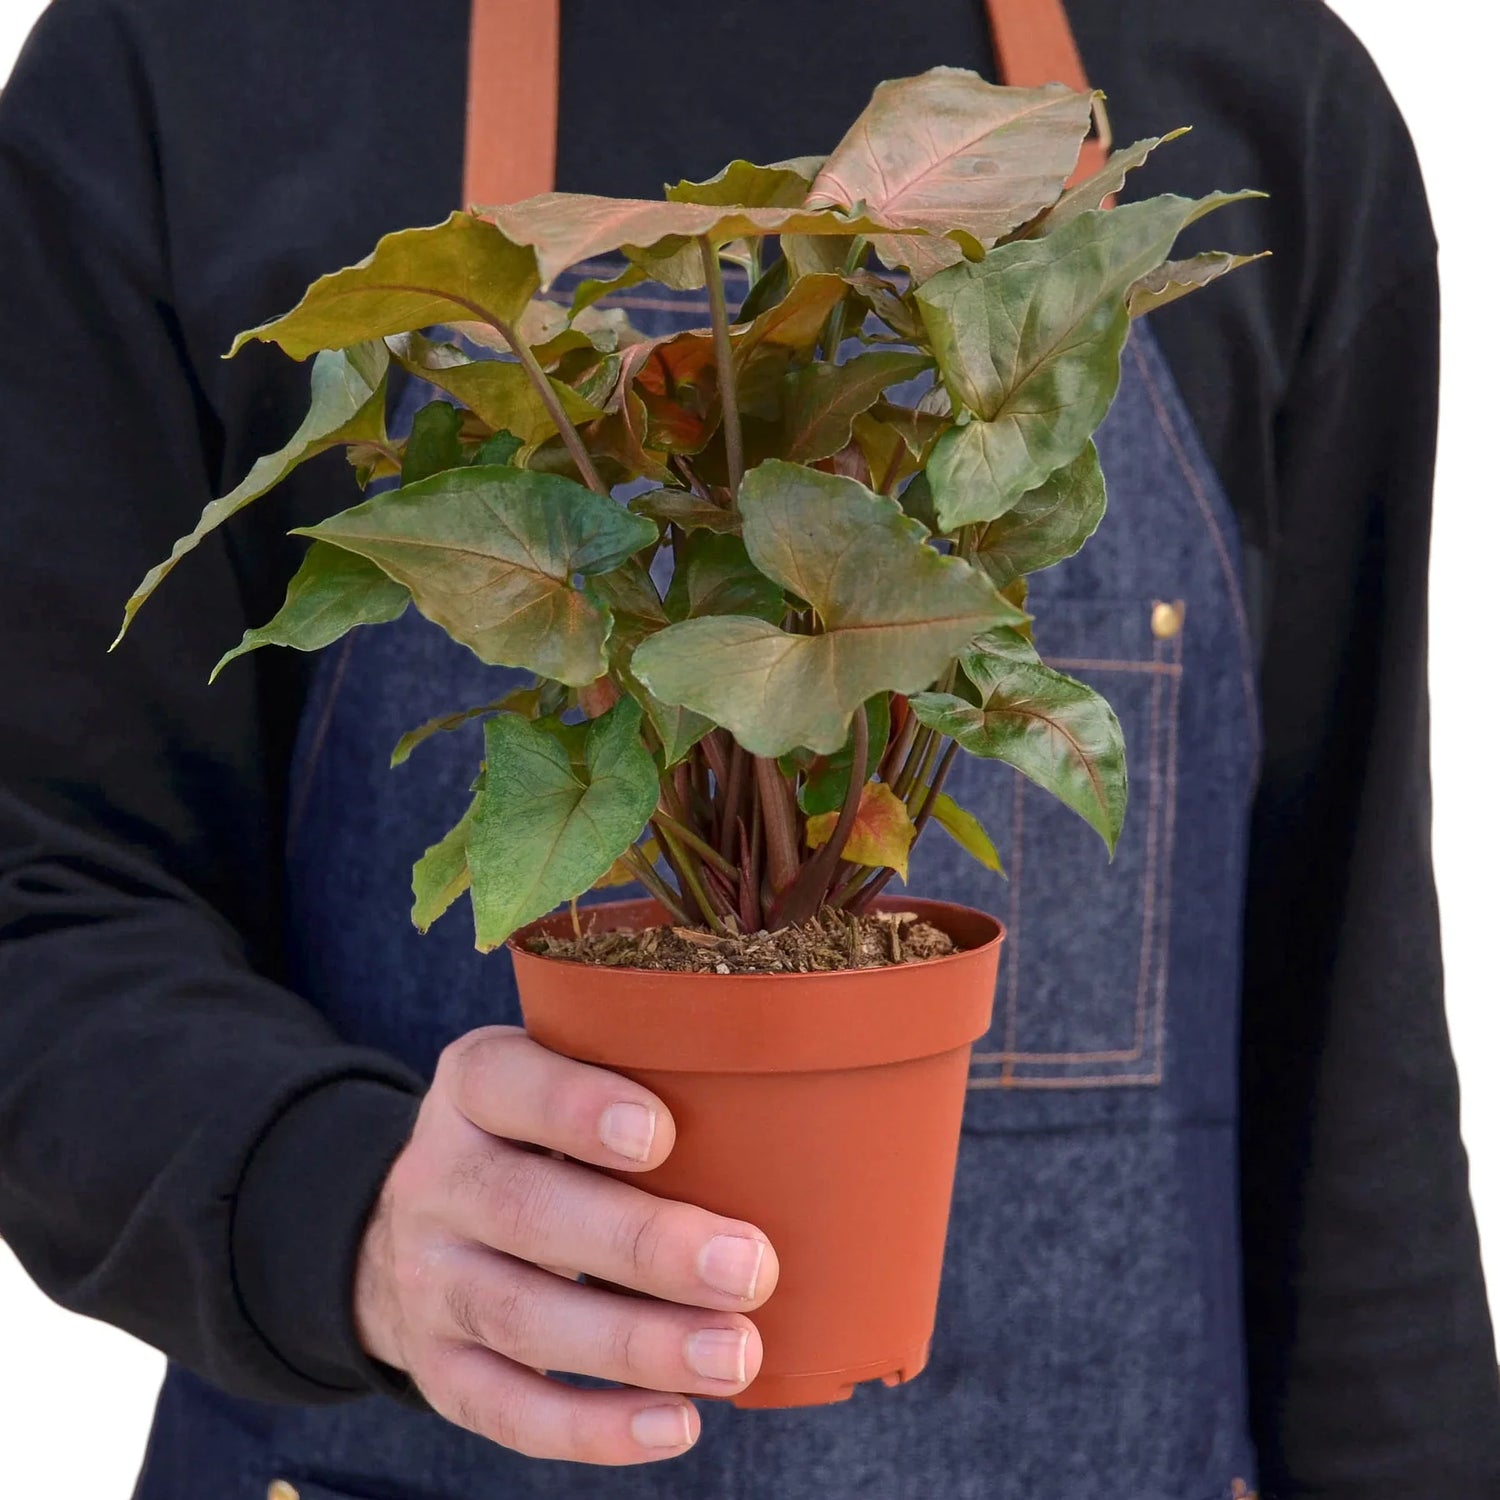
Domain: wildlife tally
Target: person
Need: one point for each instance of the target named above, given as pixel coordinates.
(1211, 1220)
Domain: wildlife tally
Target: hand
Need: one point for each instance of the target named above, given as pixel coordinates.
(455, 1283)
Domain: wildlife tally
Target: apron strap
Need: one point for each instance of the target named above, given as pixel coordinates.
(510, 137)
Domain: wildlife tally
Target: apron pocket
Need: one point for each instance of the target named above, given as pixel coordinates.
(1082, 991)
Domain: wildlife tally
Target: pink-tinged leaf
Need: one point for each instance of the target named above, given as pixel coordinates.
(566, 228)
(947, 151)
(882, 832)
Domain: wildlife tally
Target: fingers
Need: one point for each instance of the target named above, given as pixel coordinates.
(542, 1322)
(511, 1087)
(542, 1418)
(561, 1214)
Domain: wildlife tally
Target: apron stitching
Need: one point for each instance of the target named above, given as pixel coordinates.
(1170, 840)
(1221, 546)
(1161, 823)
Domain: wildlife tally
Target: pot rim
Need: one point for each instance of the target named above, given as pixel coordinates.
(925, 907)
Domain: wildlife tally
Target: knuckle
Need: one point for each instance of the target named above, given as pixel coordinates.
(625, 1352)
(466, 1065)
(521, 1197)
(640, 1237)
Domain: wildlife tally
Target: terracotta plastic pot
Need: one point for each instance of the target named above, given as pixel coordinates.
(824, 1108)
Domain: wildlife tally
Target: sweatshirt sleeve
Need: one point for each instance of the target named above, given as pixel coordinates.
(186, 1148)
(1372, 1359)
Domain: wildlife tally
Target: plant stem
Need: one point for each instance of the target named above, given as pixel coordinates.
(699, 845)
(833, 332)
(780, 824)
(896, 751)
(861, 900)
(687, 872)
(810, 890)
(734, 445)
(641, 869)
(565, 428)
(734, 793)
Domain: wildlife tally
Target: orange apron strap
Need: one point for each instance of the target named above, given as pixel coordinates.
(510, 139)
(1034, 45)
(510, 136)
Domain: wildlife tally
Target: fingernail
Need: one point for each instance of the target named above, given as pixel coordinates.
(662, 1427)
(628, 1130)
(718, 1353)
(731, 1263)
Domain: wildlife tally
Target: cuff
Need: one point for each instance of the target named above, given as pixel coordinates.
(299, 1218)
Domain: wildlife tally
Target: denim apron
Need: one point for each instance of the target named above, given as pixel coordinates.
(1089, 1338)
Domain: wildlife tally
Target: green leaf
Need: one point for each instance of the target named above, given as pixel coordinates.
(433, 445)
(566, 228)
(1051, 728)
(768, 290)
(497, 391)
(783, 184)
(460, 269)
(546, 830)
(1179, 277)
(961, 826)
(630, 595)
(331, 593)
(441, 876)
(530, 702)
(490, 554)
(945, 150)
(685, 510)
(348, 406)
(1029, 340)
(827, 780)
(714, 576)
(894, 613)
(1091, 193)
(821, 400)
(593, 289)
(1046, 524)
(498, 450)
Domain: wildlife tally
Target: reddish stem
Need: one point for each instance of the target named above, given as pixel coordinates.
(780, 824)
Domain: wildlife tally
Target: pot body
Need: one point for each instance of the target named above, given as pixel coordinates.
(824, 1108)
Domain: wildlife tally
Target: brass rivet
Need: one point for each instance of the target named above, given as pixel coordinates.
(281, 1490)
(1166, 620)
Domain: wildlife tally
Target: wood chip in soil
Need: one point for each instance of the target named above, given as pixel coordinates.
(831, 941)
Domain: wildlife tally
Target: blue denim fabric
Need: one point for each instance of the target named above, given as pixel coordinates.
(1089, 1336)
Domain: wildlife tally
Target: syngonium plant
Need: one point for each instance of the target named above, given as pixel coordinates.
(770, 732)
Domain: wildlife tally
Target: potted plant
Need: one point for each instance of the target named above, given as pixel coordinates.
(750, 680)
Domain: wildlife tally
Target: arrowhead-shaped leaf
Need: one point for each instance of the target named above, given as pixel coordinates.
(490, 554)
(961, 826)
(566, 228)
(894, 613)
(546, 829)
(821, 401)
(433, 444)
(331, 593)
(1046, 524)
(497, 391)
(441, 876)
(530, 702)
(1179, 277)
(348, 406)
(1029, 340)
(714, 576)
(630, 595)
(882, 832)
(685, 510)
(947, 150)
(782, 184)
(1092, 192)
(1053, 729)
(460, 269)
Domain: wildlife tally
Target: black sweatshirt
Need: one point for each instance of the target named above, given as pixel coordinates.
(186, 1149)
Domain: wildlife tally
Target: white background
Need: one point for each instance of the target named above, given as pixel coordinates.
(75, 1397)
